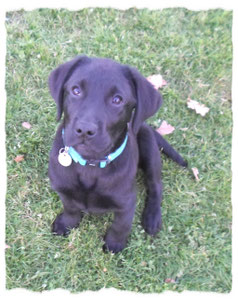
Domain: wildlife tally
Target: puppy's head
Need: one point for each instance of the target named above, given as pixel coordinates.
(99, 97)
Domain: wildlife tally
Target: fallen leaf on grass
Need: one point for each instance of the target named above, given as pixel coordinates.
(143, 263)
(19, 158)
(199, 108)
(71, 246)
(165, 128)
(169, 280)
(26, 125)
(157, 81)
(195, 173)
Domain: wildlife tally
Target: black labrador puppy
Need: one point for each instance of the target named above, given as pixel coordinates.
(101, 142)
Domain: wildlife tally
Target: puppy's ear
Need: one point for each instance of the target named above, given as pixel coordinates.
(148, 99)
(59, 77)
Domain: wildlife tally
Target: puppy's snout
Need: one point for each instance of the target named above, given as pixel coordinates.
(86, 129)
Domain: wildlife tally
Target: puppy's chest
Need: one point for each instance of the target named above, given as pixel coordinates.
(90, 195)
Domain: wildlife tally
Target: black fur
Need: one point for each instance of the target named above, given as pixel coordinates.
(103, 100)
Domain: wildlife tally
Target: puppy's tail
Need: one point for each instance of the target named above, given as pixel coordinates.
(168, 150)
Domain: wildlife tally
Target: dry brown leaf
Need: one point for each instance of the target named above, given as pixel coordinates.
(19, 158)
(199, 108)
(71, 246)
(26, 125)
(165, 128)
(143, 263)
(195, 173)
(169, 280)
(157, 81)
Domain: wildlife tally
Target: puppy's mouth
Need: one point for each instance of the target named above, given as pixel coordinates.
(91, 151)
(96, 149)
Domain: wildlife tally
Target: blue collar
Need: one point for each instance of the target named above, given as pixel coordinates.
(96, 163)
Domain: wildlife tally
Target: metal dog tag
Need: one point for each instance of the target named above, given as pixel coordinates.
(64, 158)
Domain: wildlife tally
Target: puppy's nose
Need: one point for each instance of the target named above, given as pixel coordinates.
(86, 129)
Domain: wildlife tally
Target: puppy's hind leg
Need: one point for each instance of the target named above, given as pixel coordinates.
(150, 162)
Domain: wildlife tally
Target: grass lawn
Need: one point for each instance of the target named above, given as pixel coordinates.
(193, 52)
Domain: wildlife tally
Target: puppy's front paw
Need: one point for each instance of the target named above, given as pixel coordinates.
(113, 243)
(152, 221)
(113, 247)
(59, 227)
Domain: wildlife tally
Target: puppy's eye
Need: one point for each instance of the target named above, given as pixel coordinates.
(117, 100)
(76, 90)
